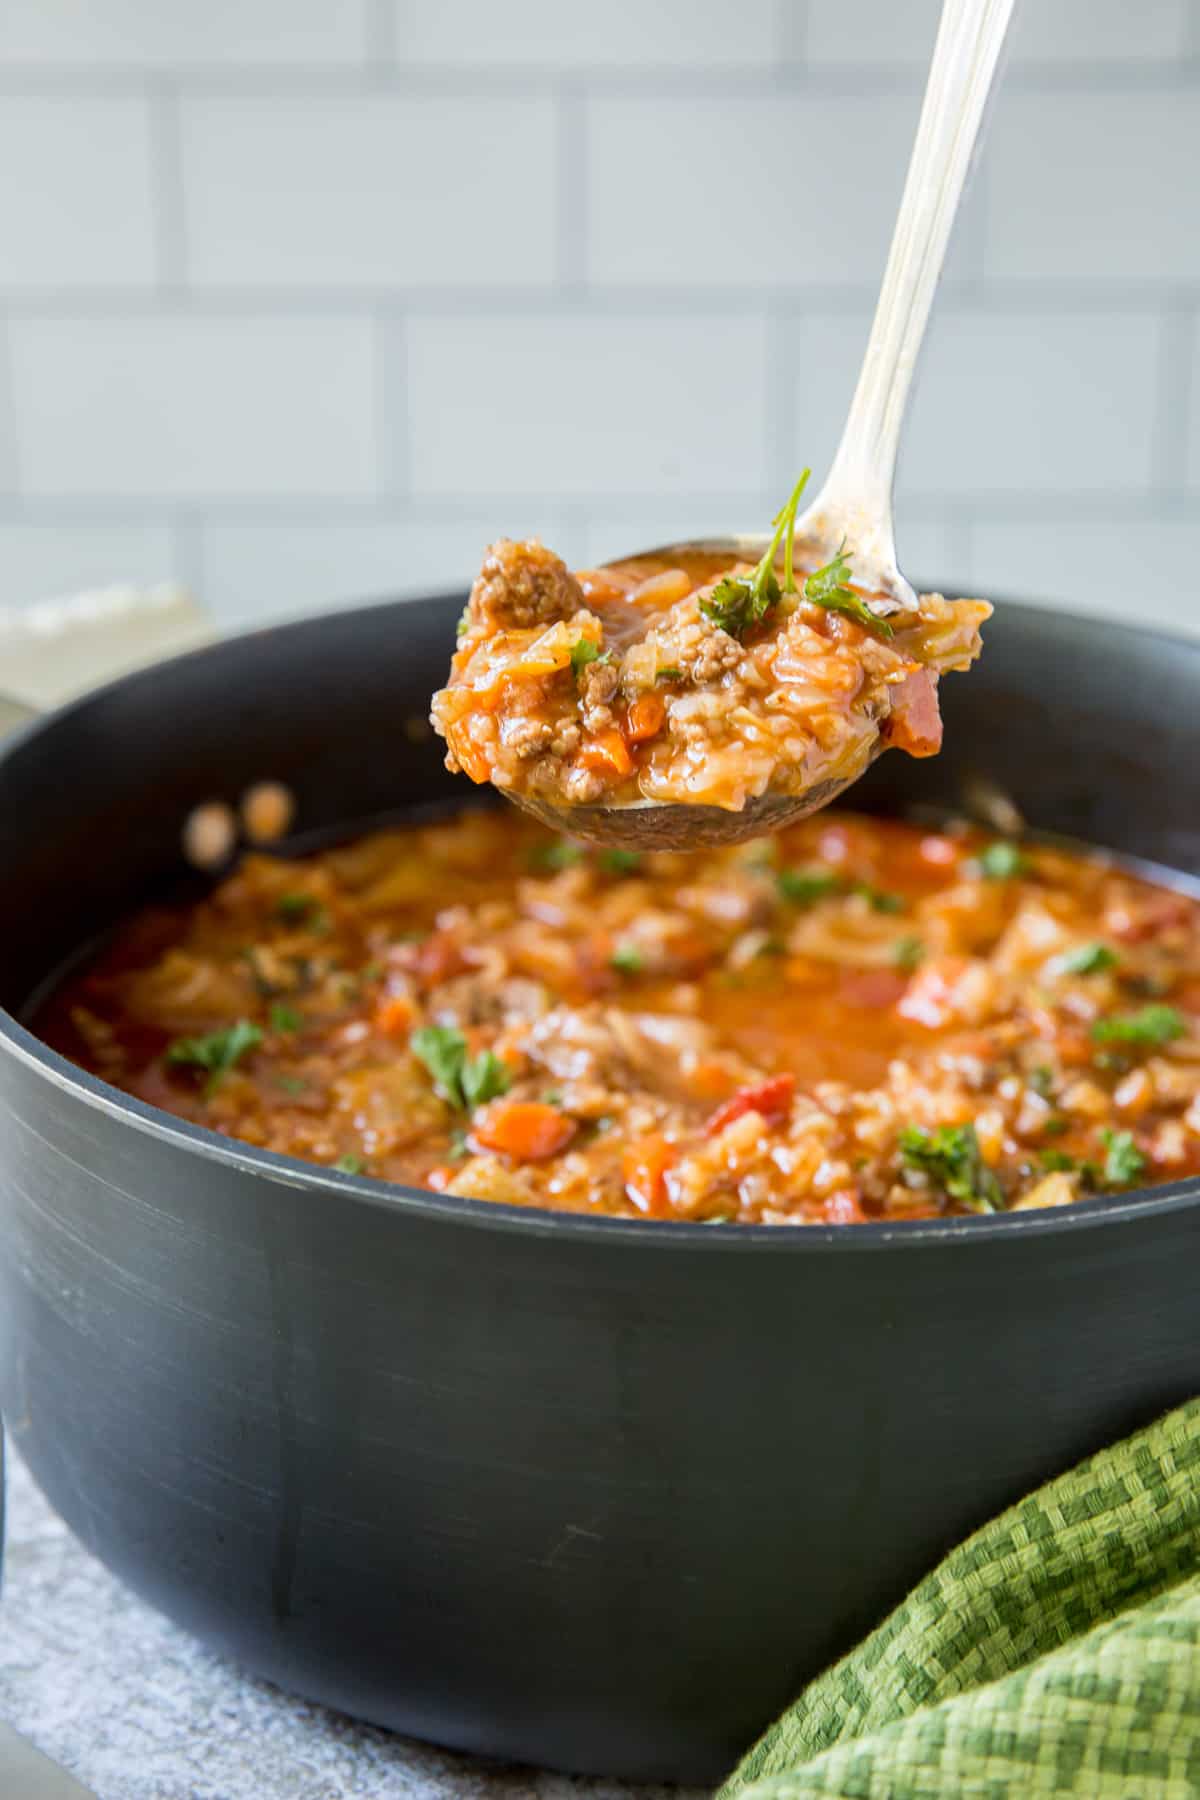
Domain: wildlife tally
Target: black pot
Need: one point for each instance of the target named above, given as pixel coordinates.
(595, 1494)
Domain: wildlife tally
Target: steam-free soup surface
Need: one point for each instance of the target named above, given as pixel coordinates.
(858, 1019)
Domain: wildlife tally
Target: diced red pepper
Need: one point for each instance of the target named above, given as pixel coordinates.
(771, 1098)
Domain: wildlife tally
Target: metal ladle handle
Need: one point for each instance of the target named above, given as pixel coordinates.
(965, 58)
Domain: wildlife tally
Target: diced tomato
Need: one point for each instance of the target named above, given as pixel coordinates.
(645, 718)
(772, 1098)
(1148, 916)
(644, 1165)
(526, 1130)
(876, 989)
(844, 1208)
(395, 1016)
(607, 752)
(915, 724)
(439, 958)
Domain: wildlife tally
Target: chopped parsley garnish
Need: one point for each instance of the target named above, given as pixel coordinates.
(350, 1165)
(627, 959)
(291, 1084)
(585, 652)
(217, 1053)
(739, 602)
(1152, 1025)
(462, 1080)
(552, 1097)
(1088, 959)
(953, 1161)
(1041, 1080)
(1002, 861)
(804, 887)
(620, 862)
(561, 855)
(285, 1018)
(829, 587)
(1055, 1126)
(878, 899)
(669, 675)
(464, 622)
(1124, 1162)
(295, 908)
(1057, 1161)
(459, 1148)
(908, 953)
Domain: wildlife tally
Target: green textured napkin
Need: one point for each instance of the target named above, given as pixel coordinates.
(1055, 1652)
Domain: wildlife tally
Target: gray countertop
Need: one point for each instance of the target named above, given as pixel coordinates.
(140, 1711)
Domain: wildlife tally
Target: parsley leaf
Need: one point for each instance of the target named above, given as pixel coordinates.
(464, 622)
(627, 959)
(484, 1077)
(585, 652)
(951, 1158)
(285, 1018)
(1057, 1161)
(464, 1081)
(295, 908)
(1152, 1025)
(562, 855)
(804, 887)
(738, 602)
(1041, 1080)
(1124, 1162)
(620, 862)
(350, 1165)
(908, 953)
(829, 587)
(669, 675)
(878, 899)
(1002, 861)
(1088, 959)
(217, 1053)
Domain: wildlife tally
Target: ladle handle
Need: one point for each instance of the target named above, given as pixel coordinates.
(965, 57)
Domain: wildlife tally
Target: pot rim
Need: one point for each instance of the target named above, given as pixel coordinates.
(397, 1197)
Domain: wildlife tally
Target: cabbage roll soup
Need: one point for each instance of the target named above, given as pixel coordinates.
(857, 1019)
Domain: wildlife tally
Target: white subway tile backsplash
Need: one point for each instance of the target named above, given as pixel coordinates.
(181, 408)
(167, 34)
(1006, 402)
(256, 572)
(75, 193)
(47, 561)
(369, 190)
(1035, 404)
(621, 34)
(1095, 566)
(717, 193)
(587, 405)
(1065, 32)
(325, 296)
(1095, 187)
